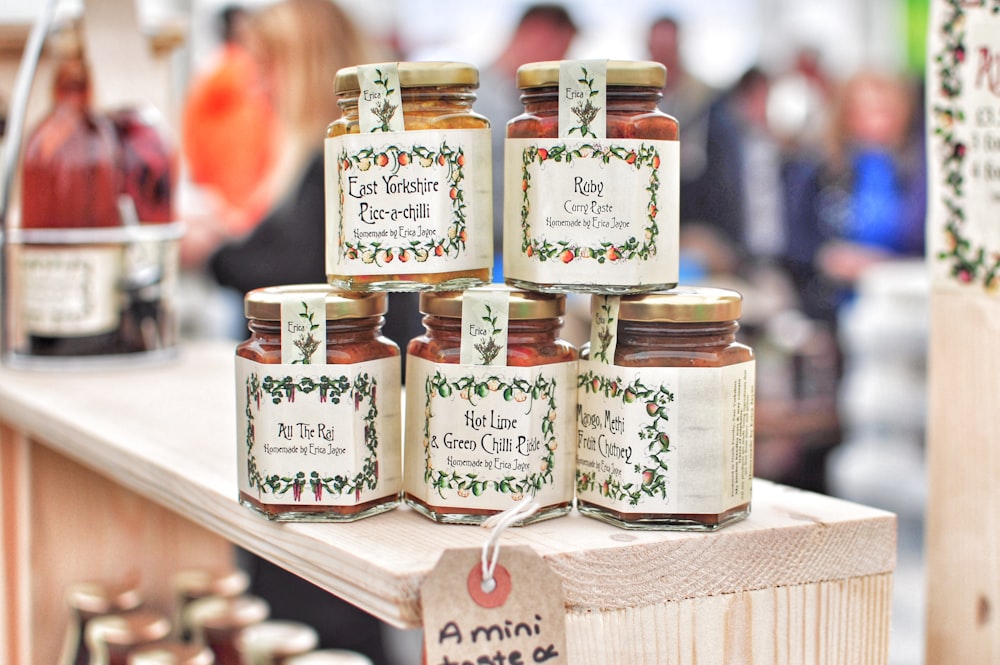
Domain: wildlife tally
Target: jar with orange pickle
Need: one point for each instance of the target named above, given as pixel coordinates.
(409, 189)
(318, 405)
(490, 399)
(591, 195)
(666, 412)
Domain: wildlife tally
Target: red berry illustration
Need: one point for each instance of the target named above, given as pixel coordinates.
(567, 255)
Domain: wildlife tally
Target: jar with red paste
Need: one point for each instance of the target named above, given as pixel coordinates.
(318, 390)
(490, 398)
(591, 180)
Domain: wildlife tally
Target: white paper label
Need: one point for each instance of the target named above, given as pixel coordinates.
(484, 326)
(410, 202)
(380, 99)
(591, 212)
(665, 439)
(303, 329)
(483, 437)
(604, 329)
(583, 98)
(68, 292)
(318, 434)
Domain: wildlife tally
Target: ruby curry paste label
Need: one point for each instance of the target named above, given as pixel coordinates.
(408, 202)
(665, 439)
(318, 434)
(484, 436)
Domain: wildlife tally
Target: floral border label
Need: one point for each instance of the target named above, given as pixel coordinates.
(592, 212)
(483, 437)
(408, 202)
(380, 98)
(667, 439)
(583, 99)
(320, 434)
(303, 329)
(964, 145)
(484, 326)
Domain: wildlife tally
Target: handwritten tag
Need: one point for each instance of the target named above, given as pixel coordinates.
(520, 622)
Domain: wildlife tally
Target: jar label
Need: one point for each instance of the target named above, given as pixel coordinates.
(484, 326)
(409, 202)
(379, 98)
(318, 435)
(592, 212)
(303, 329)
(482, 437)
(68, 292)
(583, 98)
(665, 440)
(604, 329)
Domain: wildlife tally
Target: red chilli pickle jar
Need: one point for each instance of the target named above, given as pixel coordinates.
(490, 399)
(666, 412)
(318, 405)
(591, 180)
(409, 190)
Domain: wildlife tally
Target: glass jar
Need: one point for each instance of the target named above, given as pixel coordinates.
(113, 637)
(216, 622)
(490, 395)
(87, 601)
(197, 583)
(591, 195)
(276, 642)
(409, 194)
(172, 653)
(331, 657)
(666, 412)
(318, 388)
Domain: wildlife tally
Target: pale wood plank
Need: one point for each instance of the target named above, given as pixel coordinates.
(168, 433)
(14, 592)
(963, 506)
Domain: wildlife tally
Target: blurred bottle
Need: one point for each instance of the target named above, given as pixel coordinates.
(148, 163)
(217, 622)
(170, 652)
(87, 601)
(114, 637)
(197, 583)
(275, 642)
(71, 174)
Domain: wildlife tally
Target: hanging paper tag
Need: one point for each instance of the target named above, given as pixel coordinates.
(522, 620)
(583, 99)
(604, 329)
(380, 102)
(484, 327)
(303, 330)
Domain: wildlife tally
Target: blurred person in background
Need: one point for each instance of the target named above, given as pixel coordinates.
(299, 46)
(543, 32)
(228, 130)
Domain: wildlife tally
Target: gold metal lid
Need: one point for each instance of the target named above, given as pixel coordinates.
(415, 75)
(200, 582)
(128, 628)
(172, 653)
(641, 73)
(330, 657)
(103, 597)
(265, 304)
(524, 305)
(683, 304)
(226, 612)
(283, 638)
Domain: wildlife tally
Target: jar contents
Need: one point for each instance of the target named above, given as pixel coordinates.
(171, 653)
(318, 413)
(87, 601)
(592, 177)
(276, 642)
(114, 637)
(216, 622)
(666, 412)
(490, 399)
(409, 191)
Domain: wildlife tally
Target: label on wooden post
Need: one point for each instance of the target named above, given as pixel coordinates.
(521, 621)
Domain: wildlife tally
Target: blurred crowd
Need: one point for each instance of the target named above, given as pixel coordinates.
(794, 183)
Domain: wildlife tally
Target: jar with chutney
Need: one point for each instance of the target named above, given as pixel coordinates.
(409, 190)
(490, 399)
(112, 638)
(591, 180)
(216, 623)
(275, 642)
(88, 601)
(318, 391)
(666, 412)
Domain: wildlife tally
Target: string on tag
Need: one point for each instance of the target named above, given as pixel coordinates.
(523, 509)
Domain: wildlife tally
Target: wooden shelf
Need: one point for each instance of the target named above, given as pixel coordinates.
(818, 564)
